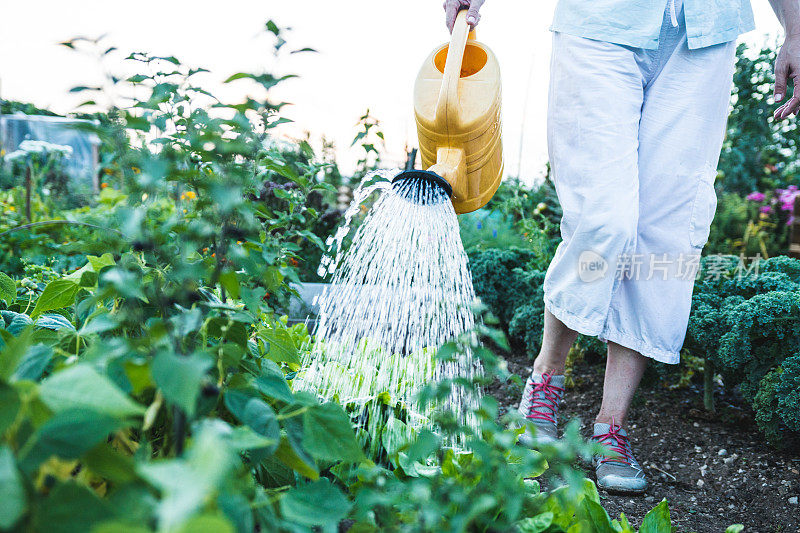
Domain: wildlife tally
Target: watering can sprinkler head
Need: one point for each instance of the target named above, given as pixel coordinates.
(424, 187)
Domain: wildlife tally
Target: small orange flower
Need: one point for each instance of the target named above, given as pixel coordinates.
(103, 185)
(205, 250)
(136, 170)
(214, 254)
(293, 261)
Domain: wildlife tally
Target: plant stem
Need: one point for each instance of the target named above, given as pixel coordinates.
(180, 430)
(28, 191)
(708, 385)
(52, 222)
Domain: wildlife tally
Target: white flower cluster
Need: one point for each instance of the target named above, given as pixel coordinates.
(29, 147)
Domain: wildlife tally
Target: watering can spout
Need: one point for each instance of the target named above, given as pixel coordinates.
(457, 111)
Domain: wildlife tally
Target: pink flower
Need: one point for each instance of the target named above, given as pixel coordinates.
(766, 209)
(790, 221)
(756, 196)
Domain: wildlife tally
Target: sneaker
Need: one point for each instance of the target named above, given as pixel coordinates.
(539, 405)
(618, 471)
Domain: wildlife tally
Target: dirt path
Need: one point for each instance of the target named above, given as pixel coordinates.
(713, 472)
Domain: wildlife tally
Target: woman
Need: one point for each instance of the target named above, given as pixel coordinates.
(638, 103)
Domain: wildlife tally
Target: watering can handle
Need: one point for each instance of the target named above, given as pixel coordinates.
(447, 105)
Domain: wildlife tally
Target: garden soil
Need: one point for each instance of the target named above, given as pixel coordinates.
(713, 470)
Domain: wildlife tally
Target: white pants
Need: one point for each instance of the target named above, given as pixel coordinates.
(634, 139)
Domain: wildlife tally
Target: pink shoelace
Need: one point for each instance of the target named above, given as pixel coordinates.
(549, 401)
(620, 445)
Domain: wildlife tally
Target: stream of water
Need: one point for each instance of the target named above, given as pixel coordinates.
(397, 292)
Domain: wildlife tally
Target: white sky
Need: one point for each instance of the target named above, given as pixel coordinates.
(370, 51)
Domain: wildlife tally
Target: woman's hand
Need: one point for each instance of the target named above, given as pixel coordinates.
(452, 7)
(787, 66)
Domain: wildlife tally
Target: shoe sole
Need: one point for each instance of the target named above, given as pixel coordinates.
(636, 492)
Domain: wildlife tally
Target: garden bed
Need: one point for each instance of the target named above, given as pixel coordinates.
(711, 472)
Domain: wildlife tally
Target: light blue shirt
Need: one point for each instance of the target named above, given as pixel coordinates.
(637, 23)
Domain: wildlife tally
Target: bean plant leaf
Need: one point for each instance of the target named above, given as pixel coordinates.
(230, 281)
(71, 433)
(657, 520)
(14, 351)
(315, 504)
(13, 500)
(272, 382)
(281, 346)
(260, 417)
(98, 263)
(33, 363)
(71, 507)
(329, 435)
(597, 516)
(536, 524)
(54, 321)
(9, 406)
(180, 378)
(288, 456)
(15, 322)
(57, 294)
(110, 464)
(8, 289)
(81, 386)
(207, 523)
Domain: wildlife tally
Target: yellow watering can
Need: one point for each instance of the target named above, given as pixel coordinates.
(457, 110)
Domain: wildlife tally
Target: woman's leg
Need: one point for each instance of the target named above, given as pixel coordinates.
(624, 369)
(557, 339)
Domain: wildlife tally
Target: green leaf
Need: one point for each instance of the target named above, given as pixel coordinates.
(15, 322)
(281, 345)
(9, 406)
(272, 383)
(657, 520)
(734, 528)
(55, 322)
(33, 363)
(187, 483)
(288, 456)
(120, 527)
(597, 516)
(110, 464)
(98, 263)
(70, 508)
(13, 500)
(207, 523)
(8, 289)
(536, 524)
(13, 352)
(328, 434)
(99, 324)
(57, 294)
(254, 413)
(180, 378)
(318, 503)
(230, 282)
(81, 386)
(242, 438)
(69, 434)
